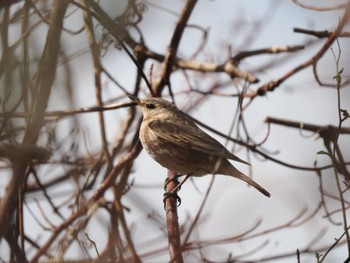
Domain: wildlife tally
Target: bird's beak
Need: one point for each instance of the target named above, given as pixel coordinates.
(135, 99)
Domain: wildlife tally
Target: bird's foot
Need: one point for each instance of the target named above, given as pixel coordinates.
(171, 194)
(171, 180)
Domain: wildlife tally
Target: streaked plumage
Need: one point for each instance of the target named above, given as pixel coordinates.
(173, 140)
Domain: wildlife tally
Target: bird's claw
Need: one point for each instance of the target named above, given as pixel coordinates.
(171, 180)
(171, 194)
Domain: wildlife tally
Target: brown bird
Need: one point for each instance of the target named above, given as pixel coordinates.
(173, 140)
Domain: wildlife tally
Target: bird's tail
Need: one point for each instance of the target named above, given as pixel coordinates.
(236, 173)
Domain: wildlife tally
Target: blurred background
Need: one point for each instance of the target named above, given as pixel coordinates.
(74, 185)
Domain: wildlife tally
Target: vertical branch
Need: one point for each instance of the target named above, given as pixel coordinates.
(95, 51)
(119, 191)
(170, 204)
(46, 72)
(174, 44)
(333, 156)
(44, 79)
(25, 73)
(6, 51)
(338, 80)
(24, 90)
(199, 212)
(121, 218)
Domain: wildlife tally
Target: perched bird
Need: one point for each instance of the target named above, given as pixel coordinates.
(173, 140)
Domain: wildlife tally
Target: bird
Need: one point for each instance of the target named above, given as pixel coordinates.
(174, 140)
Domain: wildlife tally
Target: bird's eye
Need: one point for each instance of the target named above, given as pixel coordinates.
(150, 106)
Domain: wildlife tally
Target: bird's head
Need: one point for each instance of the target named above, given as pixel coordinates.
(154, 106)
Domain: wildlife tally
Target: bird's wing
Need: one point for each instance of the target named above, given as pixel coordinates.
(187, 135)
